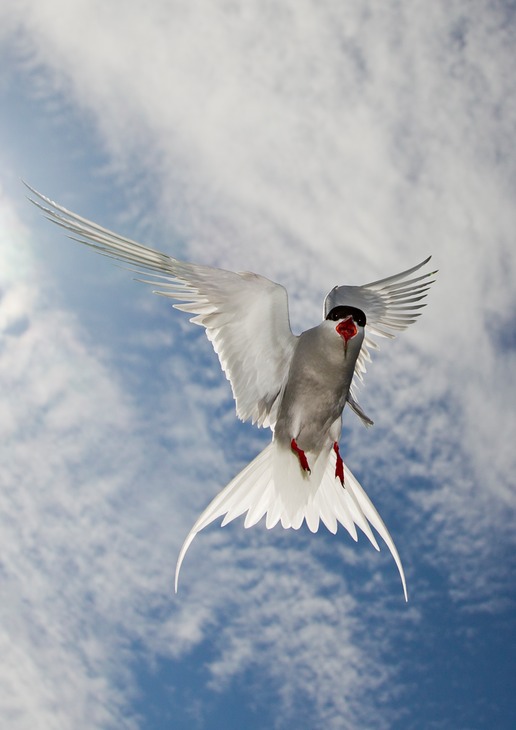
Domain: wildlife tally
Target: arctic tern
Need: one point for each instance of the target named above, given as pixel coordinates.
(295, 385)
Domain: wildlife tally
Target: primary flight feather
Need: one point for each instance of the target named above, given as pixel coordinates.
(296, 385)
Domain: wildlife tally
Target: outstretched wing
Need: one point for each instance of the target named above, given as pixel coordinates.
(390, 305)
(245, 315)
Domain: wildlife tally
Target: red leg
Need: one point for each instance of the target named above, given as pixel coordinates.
(301, 456)
(339, 466)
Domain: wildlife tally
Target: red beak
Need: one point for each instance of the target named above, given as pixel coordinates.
(347, 328)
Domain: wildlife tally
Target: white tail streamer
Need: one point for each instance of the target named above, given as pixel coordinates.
(274, 486)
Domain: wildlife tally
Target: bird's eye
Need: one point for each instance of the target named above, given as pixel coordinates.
(336, 313)
(344, 311)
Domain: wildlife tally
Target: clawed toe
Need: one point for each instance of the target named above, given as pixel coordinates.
(339, 466)
(301, 456)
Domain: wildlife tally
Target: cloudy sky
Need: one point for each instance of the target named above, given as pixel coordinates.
(317, 142)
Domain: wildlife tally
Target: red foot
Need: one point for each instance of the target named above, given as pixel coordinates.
(301, 455)
(339, 466)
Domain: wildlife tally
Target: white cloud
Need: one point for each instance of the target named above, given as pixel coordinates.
(93, 511)
(318, 144)
(53, 512)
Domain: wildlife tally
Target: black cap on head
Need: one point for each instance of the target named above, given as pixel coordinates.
(341, 312)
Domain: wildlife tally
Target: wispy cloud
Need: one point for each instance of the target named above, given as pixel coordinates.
(93, 510)
(317, 144)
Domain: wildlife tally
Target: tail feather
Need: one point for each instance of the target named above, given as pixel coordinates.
(344, 517)
(257, 511)
(324, 512)
(246, 500)
(274, 486)
(243, 490)
(356, 513)
(273, 515)
(369, 510)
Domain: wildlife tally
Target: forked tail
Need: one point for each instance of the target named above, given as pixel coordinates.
(274, 485)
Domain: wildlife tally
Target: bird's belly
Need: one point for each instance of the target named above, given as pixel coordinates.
(310, 406)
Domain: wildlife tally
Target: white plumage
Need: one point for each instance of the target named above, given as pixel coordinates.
(295, 385)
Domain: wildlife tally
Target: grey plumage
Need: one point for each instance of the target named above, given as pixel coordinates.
(297, 386)
(317, 387)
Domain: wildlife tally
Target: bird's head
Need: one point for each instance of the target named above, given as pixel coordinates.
(349, 322)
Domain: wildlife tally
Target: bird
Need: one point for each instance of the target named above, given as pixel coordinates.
(296, 385)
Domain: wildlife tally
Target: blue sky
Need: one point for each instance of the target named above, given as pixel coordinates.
(317, 143)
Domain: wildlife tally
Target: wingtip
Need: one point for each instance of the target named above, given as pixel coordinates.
(430, 273)
(34, 192)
